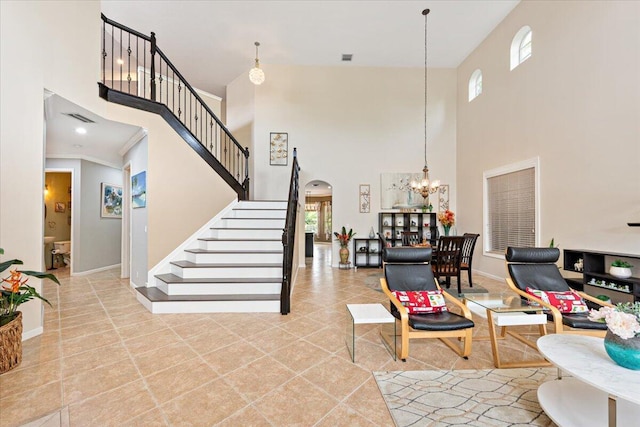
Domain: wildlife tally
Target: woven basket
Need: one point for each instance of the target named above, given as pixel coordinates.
(11, 344)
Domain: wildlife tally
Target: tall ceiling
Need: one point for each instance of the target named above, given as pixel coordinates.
(212, 42)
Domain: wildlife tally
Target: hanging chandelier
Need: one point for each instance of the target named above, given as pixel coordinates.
(425, 186)
(256, 75)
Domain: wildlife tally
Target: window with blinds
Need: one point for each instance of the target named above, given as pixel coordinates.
(510, 198)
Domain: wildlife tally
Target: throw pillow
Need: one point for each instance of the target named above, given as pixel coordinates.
(422, 302)
(566, 301)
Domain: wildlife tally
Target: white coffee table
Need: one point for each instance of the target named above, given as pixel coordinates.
(600, 393)
(368, 314)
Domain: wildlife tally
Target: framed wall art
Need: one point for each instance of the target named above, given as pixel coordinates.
(110, 201)
(139, 190)
(396, 193)
(60, 207)
(365, 198)
(443, 198)
(278, 148)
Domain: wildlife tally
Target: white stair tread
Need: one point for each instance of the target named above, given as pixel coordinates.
(172, 278)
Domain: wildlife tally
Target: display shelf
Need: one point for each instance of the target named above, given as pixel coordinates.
(367, 253)
(595, 277)
(392, 224)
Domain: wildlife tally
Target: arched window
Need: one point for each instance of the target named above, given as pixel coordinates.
(475, 84)
(521, 46)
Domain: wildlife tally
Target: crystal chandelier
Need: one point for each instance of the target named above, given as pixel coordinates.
(425, 186)
(256, 75)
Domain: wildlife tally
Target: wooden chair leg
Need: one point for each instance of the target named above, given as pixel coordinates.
(469, 271)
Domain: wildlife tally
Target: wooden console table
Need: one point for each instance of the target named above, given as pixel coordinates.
(601, 393)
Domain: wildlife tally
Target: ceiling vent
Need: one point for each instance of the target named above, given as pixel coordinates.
(80, 117)
(347, 57)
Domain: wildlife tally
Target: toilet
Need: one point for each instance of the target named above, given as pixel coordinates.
(63, 248)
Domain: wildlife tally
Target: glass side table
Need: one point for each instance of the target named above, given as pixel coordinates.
(361, 314)
(504, 310)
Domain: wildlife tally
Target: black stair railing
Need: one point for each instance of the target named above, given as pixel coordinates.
(289, 236)
(136, 73)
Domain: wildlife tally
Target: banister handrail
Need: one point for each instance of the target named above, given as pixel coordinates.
(132, 83)
(288, 236)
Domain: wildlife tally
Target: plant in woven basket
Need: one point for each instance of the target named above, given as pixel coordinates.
(15, 290)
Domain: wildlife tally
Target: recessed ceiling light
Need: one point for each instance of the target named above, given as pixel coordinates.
(81, 131)
(347, 57)
(329, 187)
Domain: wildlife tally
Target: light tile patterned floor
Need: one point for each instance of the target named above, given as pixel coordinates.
(105, 360)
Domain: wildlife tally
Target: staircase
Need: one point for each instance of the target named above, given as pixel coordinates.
(236, 266)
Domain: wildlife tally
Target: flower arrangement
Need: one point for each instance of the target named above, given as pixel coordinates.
(18, 292)
(343, 237)
(447, 218)
(623, 319)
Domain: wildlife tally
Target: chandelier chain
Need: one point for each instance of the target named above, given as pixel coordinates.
(425, 85)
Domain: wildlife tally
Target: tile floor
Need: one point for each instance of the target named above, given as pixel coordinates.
(105, 360)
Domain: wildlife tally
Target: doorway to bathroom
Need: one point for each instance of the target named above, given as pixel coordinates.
(317, 216)
(58, 218)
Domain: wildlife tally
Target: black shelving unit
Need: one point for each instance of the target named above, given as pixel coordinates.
(392, 224)
(367, 253)
(596, 279)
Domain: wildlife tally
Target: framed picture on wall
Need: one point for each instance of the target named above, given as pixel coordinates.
(110, 201)
(278, 148)
(365, 198)
(139, 190)
(60, 207)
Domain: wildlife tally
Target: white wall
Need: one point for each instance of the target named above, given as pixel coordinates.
(136, 157)
(350, 125)
(576, 104)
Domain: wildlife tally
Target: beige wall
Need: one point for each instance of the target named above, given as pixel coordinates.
(56, 45)
(576, 104)
(350, 124)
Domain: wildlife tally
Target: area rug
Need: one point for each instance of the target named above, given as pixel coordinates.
(490, 397)
(372, 281)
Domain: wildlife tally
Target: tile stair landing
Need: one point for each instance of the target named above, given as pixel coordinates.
(236, 266)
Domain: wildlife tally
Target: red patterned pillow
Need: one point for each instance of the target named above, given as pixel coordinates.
(421, 302)
(565, 301)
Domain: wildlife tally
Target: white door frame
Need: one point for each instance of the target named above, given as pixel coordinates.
(125, 251)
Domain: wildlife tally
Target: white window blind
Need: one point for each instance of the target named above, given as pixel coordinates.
(511, 210)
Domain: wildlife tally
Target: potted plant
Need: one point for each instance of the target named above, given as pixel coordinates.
(14, 292)
(344, 238)
(620, 269)
(622, 341)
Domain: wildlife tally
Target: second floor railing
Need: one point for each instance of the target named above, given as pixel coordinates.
(134, 66)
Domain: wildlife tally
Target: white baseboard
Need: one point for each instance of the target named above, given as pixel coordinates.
(491, 276)
(96, 270)
(32, 333)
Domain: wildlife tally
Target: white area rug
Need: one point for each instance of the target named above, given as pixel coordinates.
(490, 397)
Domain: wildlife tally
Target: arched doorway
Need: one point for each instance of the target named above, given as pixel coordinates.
(317, 214)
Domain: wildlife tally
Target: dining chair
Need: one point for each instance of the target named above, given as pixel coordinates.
(447, 259)
(468, 246)
(410, 238)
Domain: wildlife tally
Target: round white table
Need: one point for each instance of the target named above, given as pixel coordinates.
(600, 393)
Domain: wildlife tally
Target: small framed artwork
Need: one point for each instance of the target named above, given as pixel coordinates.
(278, 148)
(139, 190)
(365, 198)
(110, 201)
(443, 198)
(60, 207)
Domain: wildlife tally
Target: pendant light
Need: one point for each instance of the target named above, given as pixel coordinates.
(425, 186)
(256, 75)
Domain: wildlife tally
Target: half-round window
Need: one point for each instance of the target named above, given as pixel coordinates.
(521, 46)
(475, 84)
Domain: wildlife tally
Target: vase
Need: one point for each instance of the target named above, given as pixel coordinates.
(625, 353)
(344, 255)
(620, 272)
(11, 344)
(447, 228)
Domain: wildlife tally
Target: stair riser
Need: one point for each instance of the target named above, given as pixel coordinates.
(210, 306)
(226, 272)
(251, 223)
(253, 204)
(218, 288)
(230, 245)
(222, 258)
(256, 213)
(223, 233)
